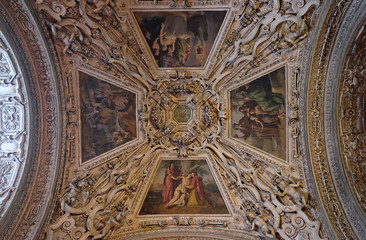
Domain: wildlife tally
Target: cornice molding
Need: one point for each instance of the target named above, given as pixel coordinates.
(320, 110)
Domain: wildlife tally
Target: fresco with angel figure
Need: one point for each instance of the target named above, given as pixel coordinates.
(258, 111)
(183, 187)
(108, 116)
(180, 38)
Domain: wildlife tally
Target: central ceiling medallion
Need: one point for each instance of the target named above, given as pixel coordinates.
(182, 113)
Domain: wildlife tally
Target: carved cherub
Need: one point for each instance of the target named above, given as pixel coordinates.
(259, 218)
(61, 33)
(106, 227)
(291, 36)
(298, 193)
(100, 4)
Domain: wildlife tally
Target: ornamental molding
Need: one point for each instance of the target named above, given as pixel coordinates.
(20, 118)
(323, 76)
(345, 184)
(351, 121)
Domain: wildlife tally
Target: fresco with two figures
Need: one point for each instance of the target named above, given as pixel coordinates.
(180, 38)
(258, 113)
(183, 187)
(108, 116)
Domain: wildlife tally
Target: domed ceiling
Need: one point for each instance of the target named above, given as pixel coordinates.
(198, 120)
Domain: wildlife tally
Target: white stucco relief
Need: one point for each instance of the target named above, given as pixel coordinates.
(13, 134)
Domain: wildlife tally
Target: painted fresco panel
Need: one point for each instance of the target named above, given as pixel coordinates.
(183, 187)
(108, 116)
(180, 38)
(258, 111)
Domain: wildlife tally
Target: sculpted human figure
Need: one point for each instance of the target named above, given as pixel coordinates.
(258, 218)
(100, 5)
(61, 33)
(263, 226)
(299, 194)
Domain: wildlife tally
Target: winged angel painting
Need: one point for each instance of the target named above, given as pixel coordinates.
(258, 113)
(108, 116)
(180, 38)
(183, 187)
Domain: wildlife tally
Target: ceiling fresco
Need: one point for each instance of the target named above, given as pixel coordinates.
(182, 119)
(181, 114)
(175, 179)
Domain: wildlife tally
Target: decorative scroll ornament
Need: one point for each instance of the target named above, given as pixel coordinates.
(99, 30)
(262, 28)
(96, 205)
(352, 104)
(272, 204)
(13, 138)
